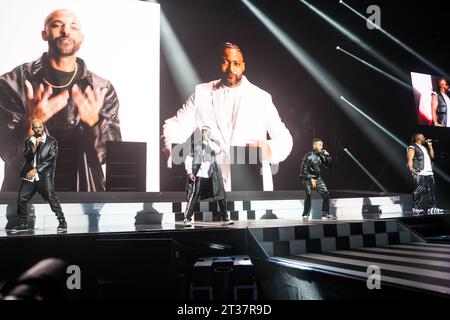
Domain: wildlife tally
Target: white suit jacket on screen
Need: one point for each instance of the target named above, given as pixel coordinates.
(254, 118)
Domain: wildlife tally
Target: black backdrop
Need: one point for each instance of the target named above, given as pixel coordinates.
(201, 25)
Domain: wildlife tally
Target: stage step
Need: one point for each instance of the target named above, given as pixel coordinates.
(421, 267)
(333, 250)
(328, 236)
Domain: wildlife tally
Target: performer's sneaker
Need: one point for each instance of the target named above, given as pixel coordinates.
(62, 226)
(305, 217)
(22, 227)
(328, 216)
(418, 212)
(227, 221)
(187, 222)
(435, 210)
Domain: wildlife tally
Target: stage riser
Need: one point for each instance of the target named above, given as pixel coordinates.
(343, 208)
(290, 241)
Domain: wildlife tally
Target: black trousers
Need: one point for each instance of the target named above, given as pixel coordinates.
(45, 188)
(200, 185)
(322, 190)
(424, 185)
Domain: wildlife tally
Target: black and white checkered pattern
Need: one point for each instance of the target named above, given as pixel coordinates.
(321, 237)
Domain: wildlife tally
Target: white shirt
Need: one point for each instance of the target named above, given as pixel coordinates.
(427, 169)
(204, 167)
(33, 140)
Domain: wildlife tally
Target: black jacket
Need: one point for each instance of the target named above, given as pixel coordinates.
(419, 158)
(45, 157)
(217, 192)
(312, 164)
(65, 126)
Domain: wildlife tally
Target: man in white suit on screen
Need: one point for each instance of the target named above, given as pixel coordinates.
(239, 113)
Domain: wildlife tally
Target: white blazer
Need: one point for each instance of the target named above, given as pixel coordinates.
(255, 117)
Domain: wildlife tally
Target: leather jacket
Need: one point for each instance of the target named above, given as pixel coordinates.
(45, 158)
(441, 109)
(419, 158)
(217, 192)
(312, 164)
(66, 126)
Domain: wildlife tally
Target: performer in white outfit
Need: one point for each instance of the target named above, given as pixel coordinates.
(240, 114)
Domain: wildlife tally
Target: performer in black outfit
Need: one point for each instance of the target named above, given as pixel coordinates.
(420, 155)
(37, 174)
(204, 176)
(312, 164)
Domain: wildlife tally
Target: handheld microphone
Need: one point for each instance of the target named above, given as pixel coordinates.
(39, 134)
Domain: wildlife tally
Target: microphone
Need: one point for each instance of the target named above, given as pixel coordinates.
(39, 134)
(431, 140)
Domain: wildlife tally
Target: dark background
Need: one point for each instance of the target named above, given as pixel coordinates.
(304, 106)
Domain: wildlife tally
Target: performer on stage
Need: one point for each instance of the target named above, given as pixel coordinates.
(37, 175)
(419, 155)
(312, 164)
(79, 108)
(204, 176)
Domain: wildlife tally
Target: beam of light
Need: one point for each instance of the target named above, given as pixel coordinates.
(379, 126)
(179, 64)
(438, 171)
(358, 41)
(397, 41)
(384, 73)
(365, 170)
(333, 88)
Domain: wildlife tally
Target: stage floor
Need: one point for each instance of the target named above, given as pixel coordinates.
(50, 230)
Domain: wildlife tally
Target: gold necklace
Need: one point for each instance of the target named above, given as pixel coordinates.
(68, 83)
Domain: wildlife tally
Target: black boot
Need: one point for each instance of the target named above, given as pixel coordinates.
(62, 226)
(22, 226)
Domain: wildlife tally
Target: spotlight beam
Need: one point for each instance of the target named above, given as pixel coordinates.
(439, 171)
(391, 135)
(333, 88)
(397, 41)
(180, 66)
(384, 73)
(358, 41)
(371, 176)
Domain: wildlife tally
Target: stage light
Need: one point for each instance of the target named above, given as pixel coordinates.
(384, 73)
(179, 64)
(365, 170)
(397, 41)
(334, 89)
(354, 38)
(438, 171)
(379, 126)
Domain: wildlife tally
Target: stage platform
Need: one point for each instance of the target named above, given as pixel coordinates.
(145, 232)
(117, 212)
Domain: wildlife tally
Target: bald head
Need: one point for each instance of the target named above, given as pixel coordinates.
(62, 31)
(37, 126)
(54, 15)
(37, 122)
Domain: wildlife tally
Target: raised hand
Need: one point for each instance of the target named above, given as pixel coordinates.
(40, 104)
(89, 103)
